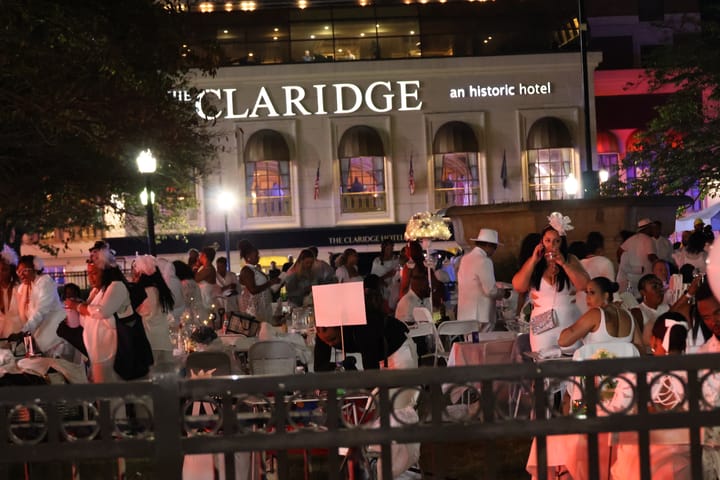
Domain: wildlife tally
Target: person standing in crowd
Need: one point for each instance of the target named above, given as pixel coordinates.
(595, 263)
(9, 284)
(551, 276)
(156, 308)
(694, 253)
(298, 284)
(228, 283)
(287, 265)
(348, 269)
(477, 288)
(193, 256)
(195, 310)
(274, 271)
(167, 270)
(206, 278)
(663, 245)
(637, 255)
(255, 295)
(385, 266)
(40, 308)
(109, 296)
(322, 271)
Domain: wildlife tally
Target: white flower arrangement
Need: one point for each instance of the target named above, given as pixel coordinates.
(602, 353)
(427, 225)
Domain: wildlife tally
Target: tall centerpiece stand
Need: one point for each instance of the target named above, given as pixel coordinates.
(426, 227)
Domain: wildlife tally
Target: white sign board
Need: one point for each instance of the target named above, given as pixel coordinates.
(339, 304)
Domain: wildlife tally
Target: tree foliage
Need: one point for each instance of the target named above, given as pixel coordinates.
(85, 88)
(680, 150)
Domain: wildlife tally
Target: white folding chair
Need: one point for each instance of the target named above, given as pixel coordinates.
(454, 329)
(423, 327)
(272, 357)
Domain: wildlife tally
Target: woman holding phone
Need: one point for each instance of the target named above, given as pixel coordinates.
(551, 276)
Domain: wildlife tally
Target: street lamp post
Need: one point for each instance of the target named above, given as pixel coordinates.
(147, 166)
(226, 202)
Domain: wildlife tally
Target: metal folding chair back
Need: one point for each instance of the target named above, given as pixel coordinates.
(272, 357)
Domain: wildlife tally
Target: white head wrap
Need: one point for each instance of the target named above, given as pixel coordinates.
(103, 257)
(560, 223)
(668, 326)
(145, 264)
(8, 255)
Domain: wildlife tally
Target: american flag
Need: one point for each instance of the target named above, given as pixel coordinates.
(411, 177)
(317, 183)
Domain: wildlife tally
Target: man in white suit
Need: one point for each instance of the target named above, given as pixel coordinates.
(477, 289)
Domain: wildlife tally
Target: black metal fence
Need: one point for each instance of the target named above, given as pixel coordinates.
(302, 412)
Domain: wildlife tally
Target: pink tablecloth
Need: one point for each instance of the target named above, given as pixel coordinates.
(569, 452)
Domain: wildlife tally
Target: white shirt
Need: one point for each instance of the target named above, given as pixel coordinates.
(42, 312)
(343, 275)
(407, 304)
(477, 291)
(634, 262)
(664, 248)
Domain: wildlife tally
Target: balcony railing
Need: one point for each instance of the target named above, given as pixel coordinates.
(448, 197)
(363, 202)
(270, 207)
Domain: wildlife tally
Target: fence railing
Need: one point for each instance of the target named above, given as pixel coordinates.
(280, 414)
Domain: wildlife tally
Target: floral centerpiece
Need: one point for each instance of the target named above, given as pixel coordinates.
(427, 225)
(607, 384)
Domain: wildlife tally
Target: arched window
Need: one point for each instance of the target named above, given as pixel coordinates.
(267, 175)
(549, 159)
(455, 164)
(608, 154)
(362, 171)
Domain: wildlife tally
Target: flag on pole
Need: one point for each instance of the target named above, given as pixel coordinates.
(316, 195)
(503, 171)
(411, 177)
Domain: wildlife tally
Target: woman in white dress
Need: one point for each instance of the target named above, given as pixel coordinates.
(604, 321)
(156, 309)
(195, 311)
(385, 266)
(552, 276)
(206, 279)
(255, 294)
(109, 296)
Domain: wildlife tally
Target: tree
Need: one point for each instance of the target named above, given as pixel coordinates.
(679, 151)
(85, 88)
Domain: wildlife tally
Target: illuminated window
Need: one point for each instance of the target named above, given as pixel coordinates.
(363, 184)
(547, 169)
(456, 179)
(267, 175)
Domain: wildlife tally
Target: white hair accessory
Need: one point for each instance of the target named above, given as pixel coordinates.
(145, 264)
(668, 326)
(8, 255)
(560, 223)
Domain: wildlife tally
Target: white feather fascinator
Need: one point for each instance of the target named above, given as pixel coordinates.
(145, 264)
(560, 223)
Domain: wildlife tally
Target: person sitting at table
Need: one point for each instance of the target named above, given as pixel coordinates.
(604, 321)
(298, 284)
(40, 308)
(156, 308)
(669, 448)
(552, 276)
(417, 297)
(382, 341)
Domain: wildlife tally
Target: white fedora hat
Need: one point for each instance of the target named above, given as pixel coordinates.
(487, 235)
